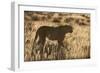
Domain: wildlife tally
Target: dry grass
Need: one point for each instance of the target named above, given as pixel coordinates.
(77, 44)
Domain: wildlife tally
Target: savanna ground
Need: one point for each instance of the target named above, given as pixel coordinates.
(76, 44)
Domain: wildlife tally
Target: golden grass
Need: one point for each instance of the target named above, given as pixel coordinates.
(77, 44)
